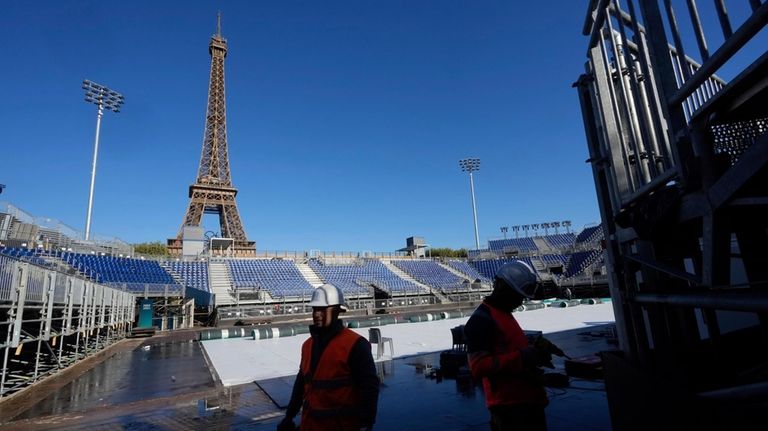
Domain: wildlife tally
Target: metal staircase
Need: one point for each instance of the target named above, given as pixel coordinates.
(221, 283)
(542, 245)
(309, 274)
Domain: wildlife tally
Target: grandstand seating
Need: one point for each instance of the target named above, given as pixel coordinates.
(281, 278)
(554, 259)
(467, 269)
(24, 254)
(354, 279)
(579, 261)
(431, 273)
(563, 240)
(523, 245)
(489, 267)
(135, 275)
(193, 274)
(590, 234)
(111, 269)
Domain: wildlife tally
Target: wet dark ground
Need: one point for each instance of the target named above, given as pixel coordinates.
(167, 385)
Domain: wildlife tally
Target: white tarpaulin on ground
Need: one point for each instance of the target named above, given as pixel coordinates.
(243, 360)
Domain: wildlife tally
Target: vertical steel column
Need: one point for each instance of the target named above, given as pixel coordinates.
(93, 173)
(15, 314)
(474, 210)
(45, 311)
(81, 319)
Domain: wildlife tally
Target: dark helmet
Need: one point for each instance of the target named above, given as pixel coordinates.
(519, 276)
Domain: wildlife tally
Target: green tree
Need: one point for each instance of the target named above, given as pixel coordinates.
(156, 248)
(447, 252)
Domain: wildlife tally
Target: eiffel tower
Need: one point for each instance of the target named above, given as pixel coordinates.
(212, 192)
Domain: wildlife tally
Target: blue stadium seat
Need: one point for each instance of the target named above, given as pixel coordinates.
(355, 279)
(281, 278)
(432, 274)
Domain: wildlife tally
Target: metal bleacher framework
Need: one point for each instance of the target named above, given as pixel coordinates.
(680, 162)
(53, 320)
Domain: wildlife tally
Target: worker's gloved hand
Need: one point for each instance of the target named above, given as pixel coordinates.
(545, 345)
(286, 425)
(534, 357)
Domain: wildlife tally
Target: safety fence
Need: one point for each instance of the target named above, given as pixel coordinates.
(54, 320)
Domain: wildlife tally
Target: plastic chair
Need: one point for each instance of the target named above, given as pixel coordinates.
(459, 342)
(374, 337)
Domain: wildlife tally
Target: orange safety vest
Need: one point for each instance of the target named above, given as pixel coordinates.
(508, 389)
(330, 399)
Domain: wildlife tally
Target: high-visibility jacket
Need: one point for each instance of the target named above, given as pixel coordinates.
(330, 399)
(505, 381)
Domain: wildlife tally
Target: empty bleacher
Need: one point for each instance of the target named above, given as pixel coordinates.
(355, 279)
(111, 269)
(281, 278)
(134, 275)
(579, 261)
(488, 267)
(467, 269)
(554, 259)
(521, 245)
(563, 240)
(590, 234)
(24, 254)
(192, 274)
(431, 273)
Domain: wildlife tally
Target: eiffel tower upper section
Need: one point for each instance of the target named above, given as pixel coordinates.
(214, 161)
(213, 192)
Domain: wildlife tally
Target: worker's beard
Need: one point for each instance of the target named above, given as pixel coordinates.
(505, 299)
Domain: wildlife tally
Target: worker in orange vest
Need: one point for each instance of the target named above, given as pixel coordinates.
(337, 387)
(499, 353)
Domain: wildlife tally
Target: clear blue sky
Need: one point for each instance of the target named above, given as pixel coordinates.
(346, 119)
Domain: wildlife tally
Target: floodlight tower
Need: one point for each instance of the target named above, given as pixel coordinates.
(104, 98)
(555, 224)
(472, 165)
(504, 230)
(567, 225)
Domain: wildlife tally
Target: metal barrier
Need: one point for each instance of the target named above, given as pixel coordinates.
(150, 290)
(54, 320)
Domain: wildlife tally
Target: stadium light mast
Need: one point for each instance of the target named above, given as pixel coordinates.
(472, 165)
(567, 225)
(504, 230)
(104, 98)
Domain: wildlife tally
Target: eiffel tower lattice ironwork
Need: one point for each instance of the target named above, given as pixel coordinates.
(212, 192)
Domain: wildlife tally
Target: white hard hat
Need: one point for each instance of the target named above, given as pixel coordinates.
(327, 295)
(519, 276)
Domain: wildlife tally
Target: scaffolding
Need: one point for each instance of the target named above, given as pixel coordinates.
(680, 163)
(53, 320)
